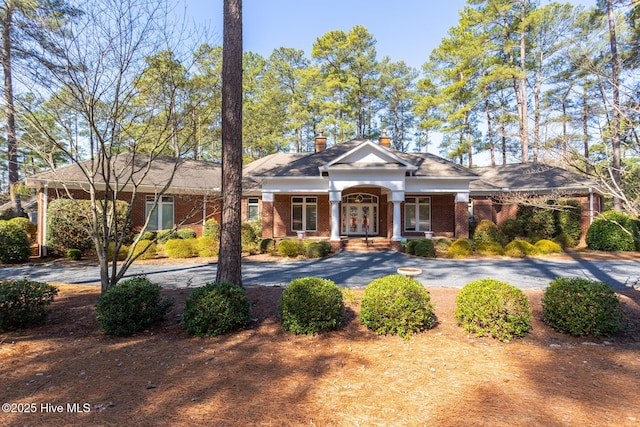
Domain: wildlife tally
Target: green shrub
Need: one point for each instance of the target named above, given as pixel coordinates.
(29, 227)
(310, 305)
(545, 247)
(148, 235)
(520, 249)
(442, 244)
(425, 248)
(206, 246)
(317, 249)
(68, 224)
(211, 229)
(611, 231)
(215, 309)
(165, 235)
(23, 303)
(186, 233)
(486, 231)
(122, 252)
(537, 222)
(267, 245)
(289, 247)
(15, 246)
(569, 220)
(511, 229)
(582, 307)
(251, 232)
(131, 306)
(150, 253)
(74, 254)
(565, 240)
(493, 308)
(410, 247)
(178, 248)
(490, 248)
(396, 305)
(461, 248)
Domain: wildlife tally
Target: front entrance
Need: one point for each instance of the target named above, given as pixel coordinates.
(360, 215)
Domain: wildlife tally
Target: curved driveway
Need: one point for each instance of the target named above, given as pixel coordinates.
(349, 269)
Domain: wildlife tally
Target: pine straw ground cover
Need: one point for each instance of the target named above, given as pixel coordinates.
(263, 376)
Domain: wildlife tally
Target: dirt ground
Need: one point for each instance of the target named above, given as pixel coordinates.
(67, 372)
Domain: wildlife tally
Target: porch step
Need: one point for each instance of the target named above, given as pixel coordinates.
(361, 245)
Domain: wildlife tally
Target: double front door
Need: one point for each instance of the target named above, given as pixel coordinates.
(359, 215)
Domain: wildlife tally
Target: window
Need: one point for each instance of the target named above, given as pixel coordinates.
(253, 210)
(162, 215)
(304, 213)
(417, 214)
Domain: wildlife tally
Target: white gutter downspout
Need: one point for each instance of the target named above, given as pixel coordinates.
(204, 211)
(45, 202)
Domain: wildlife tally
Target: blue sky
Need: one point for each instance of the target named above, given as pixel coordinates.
(405, 30)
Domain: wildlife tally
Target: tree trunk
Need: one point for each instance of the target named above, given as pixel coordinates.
(12, 145)
(524, 109)
(230, 259)
(492, 147)
(615, 131)
(585, 127)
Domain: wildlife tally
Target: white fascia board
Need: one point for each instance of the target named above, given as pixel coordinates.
(147, 189)
(442, 185)
(393, 180)
(533, 191)
(363, 151)
(296, 185)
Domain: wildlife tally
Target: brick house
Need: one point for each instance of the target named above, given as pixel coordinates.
(348, 192)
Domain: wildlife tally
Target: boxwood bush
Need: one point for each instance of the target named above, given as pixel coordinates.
(396, 305)
(461, 248)
(178, 248)
(442, 244)
(490, 248)
(267, 245)
(425, 248)
(486, 231)
(310, 305)
(612, 231)
(546, 247)
(215, 309)
(520, 249)
(23, 303)
(186, 233)
(150, 253)
(493, 308)
(74, 254)
(317, 249)
(511, 229)
(206, 246)
(580, 306)
(289, 248)
(15, 246)
(131, 306)
(410, 247)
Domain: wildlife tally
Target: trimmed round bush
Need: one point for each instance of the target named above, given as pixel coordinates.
(122, 252)
(493, 308)
(211, 229)
(546, 247)
(461, 248)
(511, 229)
(580, 306)
(486, 231)
(178, 248)
(150, 253)
(29, 227)
(74, 254)
(215, 309)
(490, 248)
(442, 244)
(317, 249)
(310, 305)
(131, 306)
(186, 233)
(410, 247)
(520, 249)
(425, 248)
(15, 246)
(23, 303)
(396, 305)
(289, 248)
(610, 231)
(267, 245)
(165, 235)
(206, 246)
(148, 235)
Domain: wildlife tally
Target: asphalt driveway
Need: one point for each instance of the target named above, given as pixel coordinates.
(349, 269)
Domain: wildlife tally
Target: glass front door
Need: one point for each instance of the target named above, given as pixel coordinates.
(359, 218)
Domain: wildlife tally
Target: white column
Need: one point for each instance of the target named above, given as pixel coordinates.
(397, 233)
(335, 220)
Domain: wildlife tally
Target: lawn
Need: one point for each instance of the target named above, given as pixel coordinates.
(264, 376)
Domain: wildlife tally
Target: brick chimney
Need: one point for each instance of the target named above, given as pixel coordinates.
(385, 140)
(321, 141)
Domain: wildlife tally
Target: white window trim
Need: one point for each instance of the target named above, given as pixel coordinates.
(159, 210)
(417, 212)
(304, 205)
(253, 201)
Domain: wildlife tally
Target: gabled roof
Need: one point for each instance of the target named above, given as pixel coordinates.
(192, 176)
(528, 177)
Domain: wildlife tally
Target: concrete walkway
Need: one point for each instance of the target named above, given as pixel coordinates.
(350, 269)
